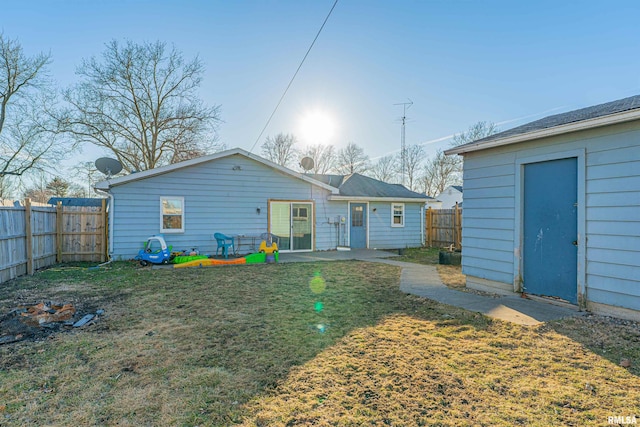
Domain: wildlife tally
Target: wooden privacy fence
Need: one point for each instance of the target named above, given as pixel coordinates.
(444, 227)
(35, 236)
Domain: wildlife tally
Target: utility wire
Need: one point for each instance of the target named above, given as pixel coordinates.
(294, 76)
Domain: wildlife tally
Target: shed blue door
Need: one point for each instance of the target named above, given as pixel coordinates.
(358, 229)
(550, 254)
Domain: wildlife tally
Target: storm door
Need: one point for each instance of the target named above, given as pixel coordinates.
(358, 228)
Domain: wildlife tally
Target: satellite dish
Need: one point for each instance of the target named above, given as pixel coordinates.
(108, 166)
(307, 163)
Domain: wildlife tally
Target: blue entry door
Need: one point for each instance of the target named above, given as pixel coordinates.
(358, 228)
(550, 232)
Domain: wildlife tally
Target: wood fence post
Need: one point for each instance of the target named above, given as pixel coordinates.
(59, 223)
(29, 235)
(429, 227)
(457, 224)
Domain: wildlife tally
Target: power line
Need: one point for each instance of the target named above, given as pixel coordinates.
(294, 76)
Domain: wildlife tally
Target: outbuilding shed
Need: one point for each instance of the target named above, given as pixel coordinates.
(552, 208)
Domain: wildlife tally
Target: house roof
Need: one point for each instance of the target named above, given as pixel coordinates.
(106, 185)
(360, 186)
(342, 187)
(332, 180)
(619, 111)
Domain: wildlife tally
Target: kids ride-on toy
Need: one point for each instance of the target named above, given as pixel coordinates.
(155, 251)
(268, 245)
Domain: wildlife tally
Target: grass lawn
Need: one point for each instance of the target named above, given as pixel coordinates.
(332, 343)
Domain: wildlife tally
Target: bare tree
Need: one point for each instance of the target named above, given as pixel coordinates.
(280, 149)
(442, 171)
(88, 174)
(76, 190)
(477, 131)
(323, 156)
(385, 169)
(140, 102)
(6, 187)
(38, 191)
(28, 137)
(413, 158)
(352, 159)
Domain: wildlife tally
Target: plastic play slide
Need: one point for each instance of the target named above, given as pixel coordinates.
(259, 258)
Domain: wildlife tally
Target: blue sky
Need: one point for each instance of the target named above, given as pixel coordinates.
(460, 62)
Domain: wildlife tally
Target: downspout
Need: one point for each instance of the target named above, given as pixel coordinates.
(111, 205)
(422, 237)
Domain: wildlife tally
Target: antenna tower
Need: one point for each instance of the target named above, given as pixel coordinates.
(403, 150)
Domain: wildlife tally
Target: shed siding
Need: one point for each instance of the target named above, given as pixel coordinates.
(217, 198)
(611, 211)
(487, 223)
(613, 221)
(383, 236)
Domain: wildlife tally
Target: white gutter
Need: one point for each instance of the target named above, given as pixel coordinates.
(611, 119)
(378, 199)
(422, 237)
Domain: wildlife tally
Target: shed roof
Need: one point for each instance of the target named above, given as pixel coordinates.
(618, 111)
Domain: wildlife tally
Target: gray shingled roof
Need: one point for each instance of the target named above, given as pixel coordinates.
(356, 185)
(332, 180)
(76, 201)
(613, 107)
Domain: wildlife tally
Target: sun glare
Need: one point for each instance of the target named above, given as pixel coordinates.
(317, 127)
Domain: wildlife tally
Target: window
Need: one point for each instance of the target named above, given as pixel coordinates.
(397, 214)
(300, 213)
(172, 214)
(357, 216)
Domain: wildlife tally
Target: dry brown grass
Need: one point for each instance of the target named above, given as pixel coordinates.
(227, 346)
(451, 275)
(410, 371)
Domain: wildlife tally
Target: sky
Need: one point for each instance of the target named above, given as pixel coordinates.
(458, 62)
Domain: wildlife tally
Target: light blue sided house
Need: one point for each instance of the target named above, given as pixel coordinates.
(240, 194)
(552, 208)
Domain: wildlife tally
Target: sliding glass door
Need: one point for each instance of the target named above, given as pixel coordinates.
(292, 222)
(281, 224)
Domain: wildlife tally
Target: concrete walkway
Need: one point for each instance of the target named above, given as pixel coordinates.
(424, 281)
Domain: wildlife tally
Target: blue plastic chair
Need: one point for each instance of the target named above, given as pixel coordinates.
(224, 243)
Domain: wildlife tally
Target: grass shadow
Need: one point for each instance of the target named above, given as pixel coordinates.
(292, 344)
(230, 333)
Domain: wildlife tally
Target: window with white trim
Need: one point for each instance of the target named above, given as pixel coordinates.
(300, 213)
(397, 214)
(171, 214)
